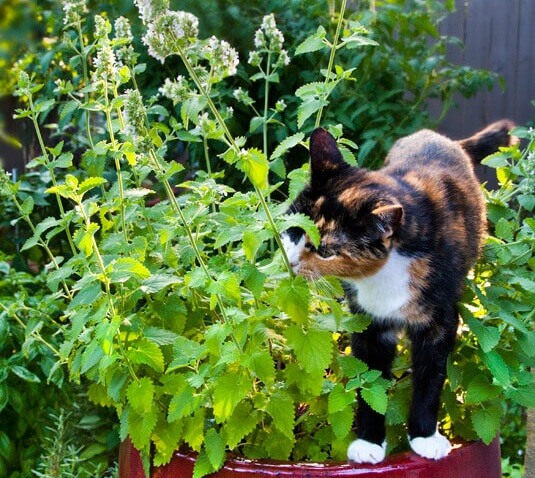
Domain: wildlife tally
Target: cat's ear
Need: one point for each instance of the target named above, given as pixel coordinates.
(389, 218)
(325, 158)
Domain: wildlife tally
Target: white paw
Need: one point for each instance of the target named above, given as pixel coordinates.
(434, 447)
(362, 451)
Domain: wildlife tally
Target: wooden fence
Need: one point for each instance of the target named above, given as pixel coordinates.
(498, 35)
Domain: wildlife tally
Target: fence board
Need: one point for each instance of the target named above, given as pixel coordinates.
(498, 36)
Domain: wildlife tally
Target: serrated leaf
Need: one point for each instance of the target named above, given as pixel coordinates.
(307, 108)
(184, 403)
(480, 390)
(486, 421)
(89, 184)
(376, 398)
(243, 421)
(127, 268)
(339, 399)
(342, 421)
(252, 240)
(312, 43)
(141, 426)
(157, 282)
(202, 466)
(229, 390)
(487, 336)
(302, 222)
(263, 367)
(281, 410)
(524, 395)
(140, 394)
(293, 297)
(166, 437)
(215, 448)
(254, 164)
(498, 367)
(287, 144)
(312, 347)
(143, 351)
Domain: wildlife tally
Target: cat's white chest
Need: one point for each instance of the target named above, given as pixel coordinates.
(385, 294)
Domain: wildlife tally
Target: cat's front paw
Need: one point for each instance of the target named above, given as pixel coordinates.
(362, 451)
(434, 447)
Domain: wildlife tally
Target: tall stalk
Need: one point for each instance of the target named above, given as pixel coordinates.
(332, 55)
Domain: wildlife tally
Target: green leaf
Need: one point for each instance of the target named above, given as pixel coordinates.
(140, 395)
(215, 448)
(263, 367)
(293, 297)
(486, 420)
(302, 222)
(25, 374)
(498, 367)
(480, 390)
(313, 348)
(376, 397)
(252, 240)
(202, 466)
(166, 437)
(342, 422)
(281, 409)
(229, 390)
(157, 282)
(312, 43)
(243, 421)
(186, 351)
(127, 268)
(524, 395)
(143, 351)
(307, 108)
(254, 164)
(339, 399)
(89, 184)
(287, 144)
(141, 426)
(184, 403)
(487, 336)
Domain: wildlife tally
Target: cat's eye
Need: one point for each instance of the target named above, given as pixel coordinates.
(324, 251)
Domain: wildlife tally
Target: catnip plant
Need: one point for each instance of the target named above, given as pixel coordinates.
(181, 310)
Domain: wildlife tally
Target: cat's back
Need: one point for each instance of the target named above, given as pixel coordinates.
(428, 150)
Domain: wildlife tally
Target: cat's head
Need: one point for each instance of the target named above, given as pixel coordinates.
(354, 210)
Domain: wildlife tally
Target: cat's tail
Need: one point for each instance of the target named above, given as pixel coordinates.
(488, 140)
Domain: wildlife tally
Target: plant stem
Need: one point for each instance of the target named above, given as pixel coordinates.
(44, 152)
(266, 105)
(86, 81)
(331, 57)
(116, 159)
(235, 147)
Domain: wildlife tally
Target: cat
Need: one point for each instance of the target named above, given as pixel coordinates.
(402, 240)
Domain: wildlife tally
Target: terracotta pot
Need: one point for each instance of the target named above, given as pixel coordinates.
(468, 460)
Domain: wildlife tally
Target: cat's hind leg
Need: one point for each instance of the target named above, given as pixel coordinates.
(376, 346)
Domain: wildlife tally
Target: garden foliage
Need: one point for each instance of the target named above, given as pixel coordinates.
(166, 286)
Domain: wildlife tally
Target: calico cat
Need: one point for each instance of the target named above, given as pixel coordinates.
(402, 239)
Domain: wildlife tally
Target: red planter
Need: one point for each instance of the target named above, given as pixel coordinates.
(469, 460)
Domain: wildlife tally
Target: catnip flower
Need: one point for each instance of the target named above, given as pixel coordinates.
(149, 10)
(269, 39)
(222, 57)
(123, 30)
(175, 90)
(74, 11)
(242, 96)
(102, 27)
(123, 33)
(134, 115)
(280, 105)
(169, 32)
(105, 61)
